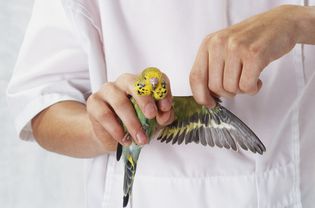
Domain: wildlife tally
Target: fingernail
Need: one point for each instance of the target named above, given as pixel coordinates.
(141, 138)
(126, 140)
(212, 104)
(167, 116)
(165, 105)
(150, 110)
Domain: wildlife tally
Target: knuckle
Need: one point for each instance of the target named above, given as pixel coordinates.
(120, 103)
(117, 132)
(255, 50)
(194, 77)
(234, 44)
(215, 86)
(218, 39)
(255, 57)
(90, 100)
(246, 86)
(91, 104)
(230, 87)
(108, 87)
(103, 115)
(206, 40)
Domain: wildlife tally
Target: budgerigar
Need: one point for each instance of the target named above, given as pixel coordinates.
(215, 126)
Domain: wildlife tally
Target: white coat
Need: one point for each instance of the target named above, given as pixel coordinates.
(70, 49)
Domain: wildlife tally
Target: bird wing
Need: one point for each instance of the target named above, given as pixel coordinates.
(214, 127)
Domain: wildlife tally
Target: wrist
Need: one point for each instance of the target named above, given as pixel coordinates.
(304, 20)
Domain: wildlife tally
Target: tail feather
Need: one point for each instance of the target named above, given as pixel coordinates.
(126, 200)
(130, 171)
(119, 151)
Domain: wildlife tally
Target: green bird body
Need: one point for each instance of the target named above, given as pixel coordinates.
(131, 153)
(193, 123)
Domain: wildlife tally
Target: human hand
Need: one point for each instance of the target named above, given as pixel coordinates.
(110, 106)
(230, 61)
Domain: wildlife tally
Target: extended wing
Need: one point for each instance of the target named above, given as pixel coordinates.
(217, 126)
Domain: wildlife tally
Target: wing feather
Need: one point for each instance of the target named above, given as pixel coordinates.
(209, 137)
(202, 136)
(214, 127)
(216, 134)
(188, 137)
(181, 136)
(229, 139)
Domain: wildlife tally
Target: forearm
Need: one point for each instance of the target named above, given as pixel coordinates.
(66, 129)
(305, 20)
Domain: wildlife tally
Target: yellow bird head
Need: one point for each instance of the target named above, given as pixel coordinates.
(151, 82)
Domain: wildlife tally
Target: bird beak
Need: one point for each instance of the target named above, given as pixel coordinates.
(154, 81)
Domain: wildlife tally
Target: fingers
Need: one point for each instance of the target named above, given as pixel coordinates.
(147, 104)
(217, 66)
(199, 78)
(123, 108)
(165, 104)
(111, 106)
(166, 112)
(125, 82)
(225, 66)
(103, 114)
(249, 78)
(108, 107)
(165, 118)
(232, 73)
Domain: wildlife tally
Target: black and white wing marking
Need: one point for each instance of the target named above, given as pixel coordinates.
(214, 127)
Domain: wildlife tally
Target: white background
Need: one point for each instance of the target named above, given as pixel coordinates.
(30, 177)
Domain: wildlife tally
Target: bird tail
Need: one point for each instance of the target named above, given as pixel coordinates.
(130, 171)
(119, 151)
(125, 200)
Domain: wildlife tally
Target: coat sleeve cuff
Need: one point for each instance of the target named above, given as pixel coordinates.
(23, 121)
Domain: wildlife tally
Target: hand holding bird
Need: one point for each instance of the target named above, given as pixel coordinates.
(193, 122)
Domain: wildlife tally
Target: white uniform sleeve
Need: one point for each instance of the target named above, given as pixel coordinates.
(51, 66)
